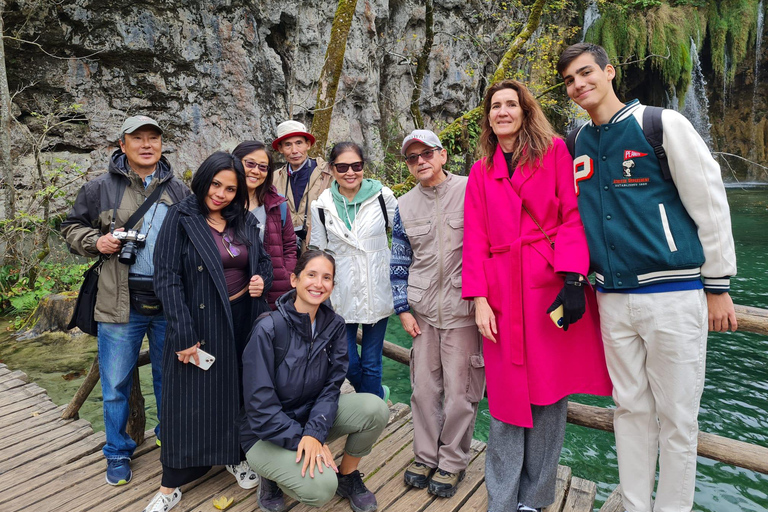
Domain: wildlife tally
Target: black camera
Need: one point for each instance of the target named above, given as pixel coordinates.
(132, 241)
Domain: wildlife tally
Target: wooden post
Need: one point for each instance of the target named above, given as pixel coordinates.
(71, 411)
(136, 418)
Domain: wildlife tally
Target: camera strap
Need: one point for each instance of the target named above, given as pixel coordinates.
(138, 214)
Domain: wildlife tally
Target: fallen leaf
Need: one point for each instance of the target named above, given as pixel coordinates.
(223, 502)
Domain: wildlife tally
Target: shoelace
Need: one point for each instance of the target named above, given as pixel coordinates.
(358, 487)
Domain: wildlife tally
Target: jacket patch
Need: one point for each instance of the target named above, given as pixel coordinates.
(583, 169)
(628, 154)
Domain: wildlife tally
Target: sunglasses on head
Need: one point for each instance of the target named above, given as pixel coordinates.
(250, 164)
(343, 168)
(426, 155)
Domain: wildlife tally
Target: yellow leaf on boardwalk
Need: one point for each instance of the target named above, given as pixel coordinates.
(223, 502)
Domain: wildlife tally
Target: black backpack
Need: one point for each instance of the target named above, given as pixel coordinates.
(653, 131)
(282, 336)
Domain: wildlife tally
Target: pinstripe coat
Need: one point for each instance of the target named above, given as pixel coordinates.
(199, 408)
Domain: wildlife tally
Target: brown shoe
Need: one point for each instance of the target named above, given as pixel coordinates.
(417, 475)
(444, 484)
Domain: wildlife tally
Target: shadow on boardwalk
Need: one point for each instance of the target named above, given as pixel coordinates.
(48, 464)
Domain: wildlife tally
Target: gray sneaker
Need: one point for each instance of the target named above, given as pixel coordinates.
(270, 496)
(351, 486)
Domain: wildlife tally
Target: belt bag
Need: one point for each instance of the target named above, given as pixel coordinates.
(143, 298)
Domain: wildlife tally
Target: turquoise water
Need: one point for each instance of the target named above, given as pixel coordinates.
(735, 401)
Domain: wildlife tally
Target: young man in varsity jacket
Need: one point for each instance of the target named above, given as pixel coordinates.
(662, 251)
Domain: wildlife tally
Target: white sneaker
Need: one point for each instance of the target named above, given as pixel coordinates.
(164, 502)
(245, 476)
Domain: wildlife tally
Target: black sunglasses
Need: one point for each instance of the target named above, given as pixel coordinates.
(343, 168)
(426, 155)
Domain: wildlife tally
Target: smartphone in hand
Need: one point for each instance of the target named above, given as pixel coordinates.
(556, 316)
(206, 359)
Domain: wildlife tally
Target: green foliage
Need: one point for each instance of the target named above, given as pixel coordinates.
(19, 296)
(660, 33)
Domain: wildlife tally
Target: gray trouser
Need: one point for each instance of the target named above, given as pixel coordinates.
(448, 379)
(521, 463)
(361, 416)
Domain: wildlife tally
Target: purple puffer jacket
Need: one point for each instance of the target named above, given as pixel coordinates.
(280, 243)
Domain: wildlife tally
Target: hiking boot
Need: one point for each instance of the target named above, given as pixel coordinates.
(351, 486)
(245, 476)
(417, 475)
(164, 502)
(119, 471)
(444, 484)
(270, 496)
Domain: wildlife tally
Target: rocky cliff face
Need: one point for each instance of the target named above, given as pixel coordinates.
(214, 72)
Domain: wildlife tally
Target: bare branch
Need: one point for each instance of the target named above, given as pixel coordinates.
(40, 47)
(627, 63)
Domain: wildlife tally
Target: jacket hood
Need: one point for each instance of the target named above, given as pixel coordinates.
(118, 164)
(300, 321)
(348, 209)
(272, 199)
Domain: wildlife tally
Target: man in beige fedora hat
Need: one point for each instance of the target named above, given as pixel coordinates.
(301, 179)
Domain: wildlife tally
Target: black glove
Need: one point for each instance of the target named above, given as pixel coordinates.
(572, 298)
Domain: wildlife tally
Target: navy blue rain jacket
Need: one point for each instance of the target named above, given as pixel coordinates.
(299, 397)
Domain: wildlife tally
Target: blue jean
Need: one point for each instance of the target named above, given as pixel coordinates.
(119, 346)
(364, 371)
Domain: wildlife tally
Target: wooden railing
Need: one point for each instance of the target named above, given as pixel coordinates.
(711, 446)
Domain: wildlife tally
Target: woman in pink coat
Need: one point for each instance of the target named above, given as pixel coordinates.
(525, 254)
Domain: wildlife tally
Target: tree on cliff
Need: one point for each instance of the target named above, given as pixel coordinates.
(331, 72)
(459, 137)
(5, 146)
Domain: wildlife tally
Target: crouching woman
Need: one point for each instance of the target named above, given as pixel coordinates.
(293, 368)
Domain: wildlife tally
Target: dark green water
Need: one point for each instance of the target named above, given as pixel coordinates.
(735, 401)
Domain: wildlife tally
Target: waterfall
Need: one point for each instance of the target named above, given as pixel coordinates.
(591, 15)
(696, 107)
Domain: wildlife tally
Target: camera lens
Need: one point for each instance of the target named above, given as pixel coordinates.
(127, 254)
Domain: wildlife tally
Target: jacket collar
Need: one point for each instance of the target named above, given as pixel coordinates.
(300, 321)
(438, 189)
(272, 199)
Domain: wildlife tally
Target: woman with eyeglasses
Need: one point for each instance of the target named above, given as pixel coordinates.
(271, 210)
(211, 274)
(351, 219)
(525, 257)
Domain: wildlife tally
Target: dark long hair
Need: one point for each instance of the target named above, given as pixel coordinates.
(236, 211)
(247, 147)
(535, 135)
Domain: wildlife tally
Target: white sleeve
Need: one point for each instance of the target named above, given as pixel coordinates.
(699, 184)
(318, 239)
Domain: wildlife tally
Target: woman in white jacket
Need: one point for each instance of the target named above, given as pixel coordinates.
(350, 219)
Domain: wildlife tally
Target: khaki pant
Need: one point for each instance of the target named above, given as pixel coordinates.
(448, 380)
(655, 348)
(360, 416)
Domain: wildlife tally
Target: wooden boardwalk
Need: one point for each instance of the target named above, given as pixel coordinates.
(48, 464)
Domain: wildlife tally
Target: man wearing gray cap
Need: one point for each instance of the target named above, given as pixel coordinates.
(126, 306)
(302, 179)
(448, 376)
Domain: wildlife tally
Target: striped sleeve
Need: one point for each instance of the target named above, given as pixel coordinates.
(402, 257)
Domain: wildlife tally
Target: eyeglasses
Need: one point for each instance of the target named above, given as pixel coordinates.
(229, 246)
(343, 168)
(426, 155)
(250, 164)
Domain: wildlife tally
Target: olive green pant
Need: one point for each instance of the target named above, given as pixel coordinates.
(361, 416)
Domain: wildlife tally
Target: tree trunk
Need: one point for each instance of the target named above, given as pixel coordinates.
(460, 136)
(5, 148)
(328, 84)
(421, 64)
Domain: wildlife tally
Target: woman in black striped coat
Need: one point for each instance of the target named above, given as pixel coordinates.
(211, 274)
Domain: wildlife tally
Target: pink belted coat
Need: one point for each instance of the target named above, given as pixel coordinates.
(508, 260)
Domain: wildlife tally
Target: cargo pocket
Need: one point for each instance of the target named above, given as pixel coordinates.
(476, 378)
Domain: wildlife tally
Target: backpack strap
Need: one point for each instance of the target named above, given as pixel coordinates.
(570, 140)
(282, 335)
(384, 211)
(654, 134)
(321, 213)
(283, 212)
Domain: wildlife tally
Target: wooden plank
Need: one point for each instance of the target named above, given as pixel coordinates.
(70, 452)
(28, 422)
(46, 450)
(12, 383)
(478, 502)
(26, 391)
(752, 319)
(13, 375)
(35, 433)
(581, 496)
(220, 483)
(615, 502)
(24, 403)
(561, 489)
(79, 430)
(25, 414)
